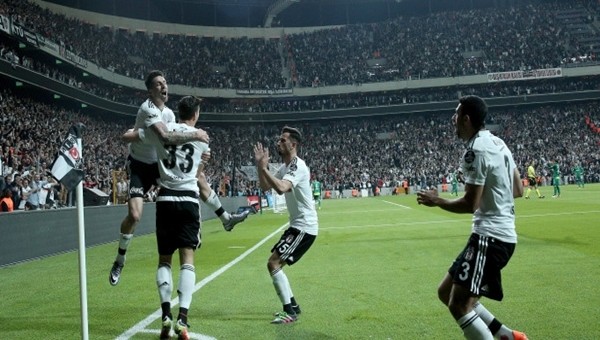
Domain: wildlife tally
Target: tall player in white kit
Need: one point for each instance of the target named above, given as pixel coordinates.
(152, 117)
(177, 212)
(492, 182)
(293, 180)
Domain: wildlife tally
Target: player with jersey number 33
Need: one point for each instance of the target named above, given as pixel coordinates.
(177, 213)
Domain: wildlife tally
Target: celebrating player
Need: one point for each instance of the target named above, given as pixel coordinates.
(293, 180)
(492, 181)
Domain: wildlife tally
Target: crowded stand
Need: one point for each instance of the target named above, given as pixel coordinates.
(352, 153)
(133, 97)
(233, 63)
(536, 35)
(400, 97)
(31, 132)
(189, 60)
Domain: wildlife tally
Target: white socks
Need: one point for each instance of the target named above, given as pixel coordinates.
(474, 328)
(215, 204)
(124, 242)
(282, 286)
(498, 329)
(164, 282)
(187, 281)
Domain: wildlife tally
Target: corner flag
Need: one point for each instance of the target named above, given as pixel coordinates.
(67, 168)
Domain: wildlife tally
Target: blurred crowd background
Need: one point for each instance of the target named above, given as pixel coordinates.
(348, 153)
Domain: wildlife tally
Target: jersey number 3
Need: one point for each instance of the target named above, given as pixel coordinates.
(186, 164)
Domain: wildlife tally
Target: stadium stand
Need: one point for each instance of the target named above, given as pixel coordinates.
(353, 152)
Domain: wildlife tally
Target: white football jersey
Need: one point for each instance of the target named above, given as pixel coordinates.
(148, 115)
(488, 162)
(299, 200)
(178, 164)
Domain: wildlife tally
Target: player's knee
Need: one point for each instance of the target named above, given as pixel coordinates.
(457, 308)
(443, 295)
(272, 268)
(271, 265)
(274, 263)
(136, 206)
(134, 216)
(459, 301)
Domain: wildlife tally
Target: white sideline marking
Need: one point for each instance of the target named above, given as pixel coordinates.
(459, 220)
(396, 204)
(140, 327)
(410, 223)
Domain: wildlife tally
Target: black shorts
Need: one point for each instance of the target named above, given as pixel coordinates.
(478, 266)
(142, 176)
(532, 181)
(177, 223)
(316, 197)
(293, 244)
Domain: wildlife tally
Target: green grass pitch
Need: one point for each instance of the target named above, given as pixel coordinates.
(372, 274)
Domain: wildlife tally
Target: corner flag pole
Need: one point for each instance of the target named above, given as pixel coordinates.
(67, 168)
(82, 264)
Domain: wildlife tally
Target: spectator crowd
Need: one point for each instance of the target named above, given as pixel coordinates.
(352, 153)
(531, 35)
(30, 135)
(315, 103)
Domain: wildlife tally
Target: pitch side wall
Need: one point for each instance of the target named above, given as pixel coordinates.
(27, 235)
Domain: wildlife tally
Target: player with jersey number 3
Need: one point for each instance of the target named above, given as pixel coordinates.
(292, 180)
(492, 182)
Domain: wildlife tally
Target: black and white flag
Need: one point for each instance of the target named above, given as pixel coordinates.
(68, 165)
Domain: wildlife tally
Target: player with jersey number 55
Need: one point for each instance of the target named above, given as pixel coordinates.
(292, 180)
(492, 182)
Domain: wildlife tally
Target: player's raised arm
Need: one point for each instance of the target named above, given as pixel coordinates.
(261, 157)
(178, 137)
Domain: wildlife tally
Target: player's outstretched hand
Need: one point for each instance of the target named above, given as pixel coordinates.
(261, 155)
(427, 197)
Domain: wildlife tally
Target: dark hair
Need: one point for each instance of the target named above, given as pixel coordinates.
(187, 106)
(6, 192)
(150, 77)
(294, 133)
(476, 108)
